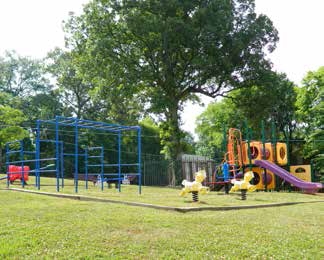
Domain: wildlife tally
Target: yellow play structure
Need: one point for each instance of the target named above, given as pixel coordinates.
(266, 160)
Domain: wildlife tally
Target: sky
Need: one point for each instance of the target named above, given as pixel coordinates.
(34, 27)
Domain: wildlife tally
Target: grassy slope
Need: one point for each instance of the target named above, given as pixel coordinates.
(34, 226)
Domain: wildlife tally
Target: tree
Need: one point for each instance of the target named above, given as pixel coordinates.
(25, 85)
(271, 100)
(310, 105)
(212, 123)
(10, 119)
(173, 50)
(310, 101)
(73, 88)
(150, 137)
(89, 96)
(22, 76)
(42, 106)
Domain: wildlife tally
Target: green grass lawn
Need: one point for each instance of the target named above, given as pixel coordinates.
(41, 227)
(167, 196)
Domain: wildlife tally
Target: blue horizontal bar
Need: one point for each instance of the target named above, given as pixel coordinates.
(49, 141)
(124, 173)
(95, 148)
(73, 154)
(113, 179)
(40, 160)
(122, 164)
(18, 151)
(44, 171)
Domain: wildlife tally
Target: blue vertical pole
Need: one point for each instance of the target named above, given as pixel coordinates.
(226, 171)
(86, 167)
(62, 164)
(37, 177)
(76, 156)
(57, 155)
(101, 167)
(7, 164)
(119, 161)
(139, 150)
(22, 163)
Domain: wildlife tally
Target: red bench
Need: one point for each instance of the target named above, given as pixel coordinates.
(16, 172)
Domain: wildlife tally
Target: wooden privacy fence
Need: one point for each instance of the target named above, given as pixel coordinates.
(161, 172)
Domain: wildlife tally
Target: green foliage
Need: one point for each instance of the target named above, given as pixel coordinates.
(211, 124)
(25, 85)
(272, 100)
(188, 143)
(310, 105)
(22, 76)
(151, 144)
(167, 51)
(90, 96)
(43, 106)
(10, 119)
(310, 102)
(73, 88)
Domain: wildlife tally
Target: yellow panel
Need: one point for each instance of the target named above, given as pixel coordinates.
(269, 152)
(302, 172)
(255, 151)
(258, 173)
(281, 149)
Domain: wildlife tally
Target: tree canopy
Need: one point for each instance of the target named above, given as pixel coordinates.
(167, 51)
(310, 111)
(22, 76)
(272, 100)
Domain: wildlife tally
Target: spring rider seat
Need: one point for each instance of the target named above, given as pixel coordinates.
(196, 186)
(244, 185)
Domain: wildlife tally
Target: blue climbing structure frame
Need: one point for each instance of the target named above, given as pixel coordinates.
(87, 154)
(88, 160)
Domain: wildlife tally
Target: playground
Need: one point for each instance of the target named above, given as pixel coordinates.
(82, 156)
(249, 165)
(55, 214)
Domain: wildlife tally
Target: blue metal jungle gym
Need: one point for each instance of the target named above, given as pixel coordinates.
(88, 162)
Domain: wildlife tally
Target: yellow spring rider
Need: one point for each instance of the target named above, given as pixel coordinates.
(244, 185)
(195, 187)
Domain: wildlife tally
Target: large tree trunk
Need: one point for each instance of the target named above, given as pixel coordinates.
(171, 139)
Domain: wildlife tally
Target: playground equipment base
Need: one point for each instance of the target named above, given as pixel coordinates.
(178, 209)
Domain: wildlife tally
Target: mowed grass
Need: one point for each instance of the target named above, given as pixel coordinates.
(41, 227)
(167, 196)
